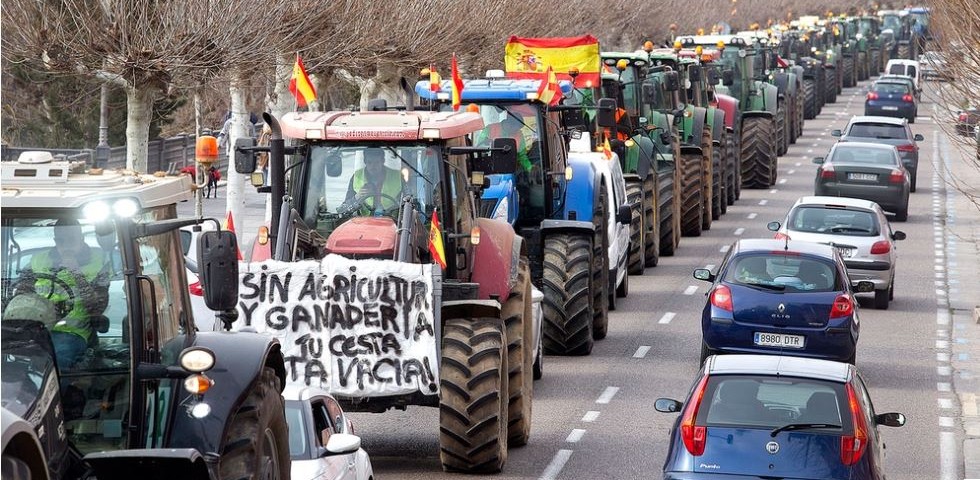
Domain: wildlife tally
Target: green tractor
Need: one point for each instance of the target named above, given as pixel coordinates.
(877, 45)
(770, 68)
(844, 35)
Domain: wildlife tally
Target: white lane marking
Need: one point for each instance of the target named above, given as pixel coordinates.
(815, 144)
(949, 455)
(790, 172)
(642, 351)
(798, 164)
(943, 386)
(575, 435)
(710, 266)
(946, 422)
(774, 190)
(763, 201)
(607, 394)
(942, 357)
(724, 248)
(557, 463)
(691, 290)
(751, 216)
(942, 344)
(590, 416)
(943, 371)
(667, 318)
(739, 231)
(809, 150)
(782, 181)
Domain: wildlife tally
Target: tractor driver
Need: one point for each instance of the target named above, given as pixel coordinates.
(375, 187)
(84, 270)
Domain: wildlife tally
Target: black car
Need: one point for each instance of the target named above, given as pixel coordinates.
(869, 171)
(886, 131)
(891, 99)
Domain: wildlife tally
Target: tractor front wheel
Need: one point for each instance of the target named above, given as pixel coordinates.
(256, 442)
(567, 288)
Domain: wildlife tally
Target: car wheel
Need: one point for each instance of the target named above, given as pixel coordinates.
(912, 183)
(881, 299)
(891, 290)
(902, 214)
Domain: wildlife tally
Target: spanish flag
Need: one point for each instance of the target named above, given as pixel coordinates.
(606, 149)
(435, 242)
(457, 84)
(300, 85)
(530, 57)
(550, 92)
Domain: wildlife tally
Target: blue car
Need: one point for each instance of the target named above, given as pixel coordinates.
(763, 416)
(891, 99)
(781, 297)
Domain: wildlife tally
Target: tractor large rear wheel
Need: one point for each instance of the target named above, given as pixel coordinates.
(692, 202)
(707, 182)
(668, 215)
(603, 297)
(809, 98)
(718, 204)
(781, 145)
(849, 78)
(256, 442)
(904, 51)
(651, 234)
(875, 62)
(517, 313)
(473, 402)
(758, 152)
(567, 288)
(634, 198)
(732, 173)
(830, 87)
(862, 66)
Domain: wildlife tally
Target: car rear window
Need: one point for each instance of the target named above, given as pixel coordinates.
(783, 272)
(883, 131)
(769, 402)
(897, 69)
(892, 88)
(863, 156)
(833, 220)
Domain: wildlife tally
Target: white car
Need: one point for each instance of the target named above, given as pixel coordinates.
(322, 444)
(908, 68)
(857, 228)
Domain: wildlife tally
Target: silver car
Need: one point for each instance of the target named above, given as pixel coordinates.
(322, 444)
(858, 229)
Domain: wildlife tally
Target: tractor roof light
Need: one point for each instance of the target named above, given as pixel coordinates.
(648, 46)
(720, 45)
(621, 64)
(677, 46)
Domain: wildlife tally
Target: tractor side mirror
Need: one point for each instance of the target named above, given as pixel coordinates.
(244, 156)
(728, 77)
(713, 76)
(694, 73)
(624, 215)
(606, 113)
(672, 81)
(649, 94)
(503, 158)
(217, 263)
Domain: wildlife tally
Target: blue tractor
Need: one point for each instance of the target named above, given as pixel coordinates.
(558, 205)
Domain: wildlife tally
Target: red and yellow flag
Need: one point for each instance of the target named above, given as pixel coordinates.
(435, 80)
(300, 85)
(435, 242)
(457, 82)
(530, 57)
(606, 149)
(550, 92)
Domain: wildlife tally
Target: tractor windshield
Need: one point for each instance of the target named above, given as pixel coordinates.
(354, 180)
(892, 22)
(866, 27)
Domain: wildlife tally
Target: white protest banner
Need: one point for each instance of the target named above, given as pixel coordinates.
(358, 328)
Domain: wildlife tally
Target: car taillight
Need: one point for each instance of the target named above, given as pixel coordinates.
(853, 446)
(694, 436)
(843, 307)
(897, 176)
(908, 147)
(782, 236)
(907, 98)
(196, 289)
(721, 297)
(827, 171)
(883, 246)
(872, 95)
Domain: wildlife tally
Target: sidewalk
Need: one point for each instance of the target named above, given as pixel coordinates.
(245, 227)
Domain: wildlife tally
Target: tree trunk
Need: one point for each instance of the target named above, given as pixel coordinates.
(279, 102)
(139, 111)
(384, 84)
(235, 189)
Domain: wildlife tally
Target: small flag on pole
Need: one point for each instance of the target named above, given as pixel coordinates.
(606, 149)
(435, 242)
(300, 85)
(435, 80)
(230, 226)
(457, 82)
(550, 92)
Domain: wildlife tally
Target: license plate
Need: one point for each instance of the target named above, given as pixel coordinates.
(779, 340)
(846, 252)
(862, 176)
(890, 109)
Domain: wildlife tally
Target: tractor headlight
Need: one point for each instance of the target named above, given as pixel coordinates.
(101, 210)
(125, 207)
(501, 210)
(196, 359)
(97, 211)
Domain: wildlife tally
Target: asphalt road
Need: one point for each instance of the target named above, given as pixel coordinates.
(593, 416)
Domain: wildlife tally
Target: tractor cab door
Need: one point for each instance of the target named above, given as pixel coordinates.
(458, 216)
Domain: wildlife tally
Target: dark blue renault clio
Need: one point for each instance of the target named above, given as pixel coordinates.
(767, 416)
(781, 297)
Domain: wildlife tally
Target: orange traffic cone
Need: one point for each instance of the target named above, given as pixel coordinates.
(230, 226)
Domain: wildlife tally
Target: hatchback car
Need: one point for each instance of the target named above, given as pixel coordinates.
(781, 297)
(758, 416)
(868, 171)
(906, 80)
(891, 99)
(887, 131)
(322, 444)
(858, 230)
(908, 68)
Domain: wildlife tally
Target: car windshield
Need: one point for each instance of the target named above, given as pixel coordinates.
(771, 402)
(776, 271)
(883, 131)
(347, 181)
(298, 436)
(891, 88)
(847, 154)
(834, 221)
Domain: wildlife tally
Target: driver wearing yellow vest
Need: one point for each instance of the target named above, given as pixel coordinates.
(82, 269)
(376, 187)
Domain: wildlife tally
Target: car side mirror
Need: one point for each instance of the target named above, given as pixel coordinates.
(704, 274)
(918, 137)
(341, 444)
(728, 77)
(898, 235)
(667, 405)
(606, 113)
(217, 268)
(864, 286)
(244, 156)
(836, 133)
(624, 215)
(773, 226)
(891, 419)
(818, 160)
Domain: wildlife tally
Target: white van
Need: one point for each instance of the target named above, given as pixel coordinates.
(909, 68)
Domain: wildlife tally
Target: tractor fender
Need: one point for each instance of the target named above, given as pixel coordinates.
(729, 105)
(236, 370)
(183, 463)
(717, 125)
(782, 83)
(496, 258)
(700, 121)
(765, 98)
(567, 226)
(757, 113)
(580, 191)
(20, 441)
(645, 151)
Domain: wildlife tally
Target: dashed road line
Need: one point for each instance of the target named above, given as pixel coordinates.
(710, 266)
(590, 416)
(691, 290)
(739, 231)
(557, 463)
(782, 181)
(791, 171)
(641, 351)
(575, 435)
(607, 394)
(752, 216)
(763, 201)
(667, 318)
(724, 248)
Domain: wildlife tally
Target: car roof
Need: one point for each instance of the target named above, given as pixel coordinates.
(779, 365)
(896, 77)
(902, 61)
(826, 200)
(301, 392)
(750, 245)
(875, 119)
(879, 146)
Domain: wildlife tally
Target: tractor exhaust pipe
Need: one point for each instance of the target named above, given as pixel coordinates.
(277, 175)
